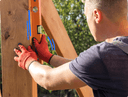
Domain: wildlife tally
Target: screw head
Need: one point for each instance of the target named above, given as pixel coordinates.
(35, 9)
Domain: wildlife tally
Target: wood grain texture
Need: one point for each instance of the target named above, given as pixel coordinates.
(16, 81)
(55, 30)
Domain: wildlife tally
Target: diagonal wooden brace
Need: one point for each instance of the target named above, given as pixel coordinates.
(55, 30)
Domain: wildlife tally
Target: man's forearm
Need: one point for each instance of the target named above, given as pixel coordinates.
(58, 60)
(59, 78)
(39, 73)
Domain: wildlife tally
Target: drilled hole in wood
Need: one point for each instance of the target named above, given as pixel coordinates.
(7, 35)
(9, 13)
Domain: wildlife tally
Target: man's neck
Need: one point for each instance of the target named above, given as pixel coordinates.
(122, 31)
(110, 40)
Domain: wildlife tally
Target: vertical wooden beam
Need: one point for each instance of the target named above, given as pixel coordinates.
(16, 81)
(55, 29)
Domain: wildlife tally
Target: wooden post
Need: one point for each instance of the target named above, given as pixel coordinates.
(16, 81)
(55, 29)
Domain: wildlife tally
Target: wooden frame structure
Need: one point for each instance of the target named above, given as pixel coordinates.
(17, 82)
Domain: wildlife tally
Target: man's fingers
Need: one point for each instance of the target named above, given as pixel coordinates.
(18, 52)
(35, 41)
(16, 58)
(22, 48)
(29, 49)
(43, 38)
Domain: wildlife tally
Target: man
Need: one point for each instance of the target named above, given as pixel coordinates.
(103, 67)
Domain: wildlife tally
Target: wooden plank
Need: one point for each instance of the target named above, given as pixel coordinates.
(16, 82)
(0, 94)
(55, 30)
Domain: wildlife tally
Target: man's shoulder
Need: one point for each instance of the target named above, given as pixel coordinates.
(108, 47)
(104, 47)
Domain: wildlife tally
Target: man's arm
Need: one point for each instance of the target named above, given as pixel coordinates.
(59, 78)
(50, 78)
(58, 61)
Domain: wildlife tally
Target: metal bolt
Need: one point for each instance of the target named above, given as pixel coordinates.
(35, 9)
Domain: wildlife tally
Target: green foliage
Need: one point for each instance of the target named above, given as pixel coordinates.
(72, 15)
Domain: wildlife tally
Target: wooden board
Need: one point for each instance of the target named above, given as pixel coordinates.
(55, 30)
(16, 81)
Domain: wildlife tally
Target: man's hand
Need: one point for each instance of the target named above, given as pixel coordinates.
(42, 49)
(25, 57)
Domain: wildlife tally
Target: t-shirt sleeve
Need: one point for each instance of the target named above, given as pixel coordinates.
(89, 68)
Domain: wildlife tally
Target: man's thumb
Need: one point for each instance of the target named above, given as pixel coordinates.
(16, 58)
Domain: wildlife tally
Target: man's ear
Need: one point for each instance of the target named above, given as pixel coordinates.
(97, 15)
(83, 1)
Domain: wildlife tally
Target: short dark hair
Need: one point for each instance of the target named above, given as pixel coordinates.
(113, 9)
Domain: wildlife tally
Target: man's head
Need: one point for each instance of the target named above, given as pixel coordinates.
(104, 12)
(113, 9)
